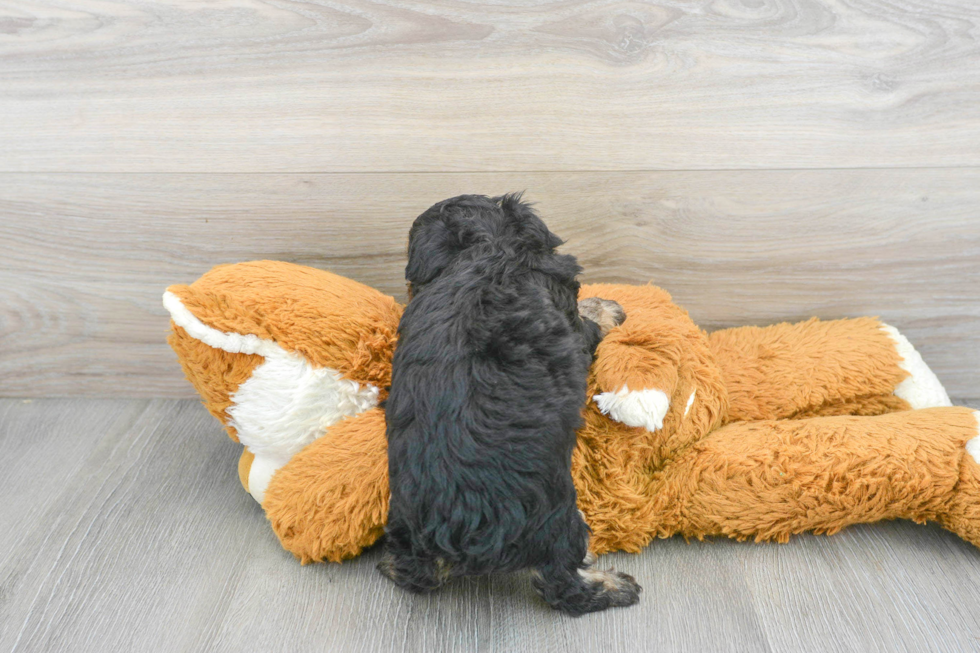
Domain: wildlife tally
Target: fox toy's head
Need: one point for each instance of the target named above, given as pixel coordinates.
(280, 352)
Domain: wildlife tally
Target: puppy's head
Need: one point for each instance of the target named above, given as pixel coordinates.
(442, 233)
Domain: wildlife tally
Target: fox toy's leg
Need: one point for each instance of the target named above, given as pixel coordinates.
(841, 367)
(768, 480)
(962, 515)
(330, 501)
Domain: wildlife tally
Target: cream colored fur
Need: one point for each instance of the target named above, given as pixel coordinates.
(921, 389)
(646, 408)
(973, 446)
(690, 402)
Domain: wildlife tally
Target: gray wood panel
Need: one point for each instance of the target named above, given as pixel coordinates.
(85, 258)
(128, 531)
(254, 86)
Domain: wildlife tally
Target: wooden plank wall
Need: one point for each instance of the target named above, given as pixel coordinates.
(762, 159)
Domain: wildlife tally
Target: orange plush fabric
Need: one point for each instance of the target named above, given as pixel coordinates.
(789, 370)
(329, 320)
(770, 479)
(214, 373)
(751, 433)
(332, 501)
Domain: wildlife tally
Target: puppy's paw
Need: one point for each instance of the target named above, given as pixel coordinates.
(646, 408)
(604, 312)
(387, 567)
(616, 589)
(626, 590)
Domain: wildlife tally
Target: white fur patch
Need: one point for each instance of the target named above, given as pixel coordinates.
(973, 446)
(690, 402)
(286, 403)
(646, 408)
(259, 475)
(921, 389)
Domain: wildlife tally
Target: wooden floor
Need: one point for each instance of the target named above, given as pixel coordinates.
(125, 529)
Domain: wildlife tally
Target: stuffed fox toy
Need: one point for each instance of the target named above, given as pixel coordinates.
(750, 433)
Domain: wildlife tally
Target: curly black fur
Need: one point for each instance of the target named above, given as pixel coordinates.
(488, 384)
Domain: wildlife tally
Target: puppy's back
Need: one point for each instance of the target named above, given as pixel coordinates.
(487, 387)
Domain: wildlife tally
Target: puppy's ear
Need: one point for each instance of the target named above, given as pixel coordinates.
(529, 228)
(432, 246)
(440, 234)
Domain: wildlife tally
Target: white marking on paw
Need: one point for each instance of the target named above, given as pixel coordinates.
(973, 446)
(646, 408)
(690, 402)
(921, 389)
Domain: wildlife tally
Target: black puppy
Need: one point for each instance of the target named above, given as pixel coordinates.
(488, 383)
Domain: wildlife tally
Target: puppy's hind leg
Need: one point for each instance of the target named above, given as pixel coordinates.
(578, 590)
(571, 583)
(409, 571)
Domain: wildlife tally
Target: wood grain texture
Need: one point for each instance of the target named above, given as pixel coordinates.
(257, 86)
(87, 257)
(132, 533)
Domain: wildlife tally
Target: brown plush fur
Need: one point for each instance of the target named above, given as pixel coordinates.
(660, 347)
(328, 319)
(793, 427)
(768, 480)
(214, 373)
(331, 500)
(796, 370)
